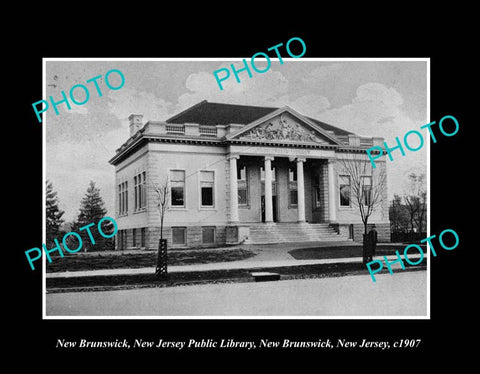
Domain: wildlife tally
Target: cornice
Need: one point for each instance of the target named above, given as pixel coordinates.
(139, 141)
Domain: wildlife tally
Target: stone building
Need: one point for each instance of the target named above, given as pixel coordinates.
(240, 174)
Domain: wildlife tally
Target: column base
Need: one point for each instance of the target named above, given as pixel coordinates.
(237, 233)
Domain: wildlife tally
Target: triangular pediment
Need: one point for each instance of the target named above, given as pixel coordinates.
(285, 126)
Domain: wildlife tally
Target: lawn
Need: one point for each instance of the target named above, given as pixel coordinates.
(119, 260)
(139, 259)
(346, 251)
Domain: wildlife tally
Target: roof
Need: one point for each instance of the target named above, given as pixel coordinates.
(206, 113)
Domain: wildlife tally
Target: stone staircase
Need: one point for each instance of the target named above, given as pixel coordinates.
(262, 233)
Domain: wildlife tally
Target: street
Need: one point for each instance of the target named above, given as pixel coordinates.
(400, 294)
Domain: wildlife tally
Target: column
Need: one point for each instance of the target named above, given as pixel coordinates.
(300, 190)
(268, 189)
(233, 189)
(331, 192)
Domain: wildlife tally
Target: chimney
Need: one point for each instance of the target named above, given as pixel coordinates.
(135, 123)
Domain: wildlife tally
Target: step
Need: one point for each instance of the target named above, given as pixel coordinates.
(303, 240)
(264, 276)
(313, 235)
(292, 229)
(293, 232)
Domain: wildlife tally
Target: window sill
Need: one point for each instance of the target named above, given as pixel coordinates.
(211, 209)
(180, 208)
(143, 210)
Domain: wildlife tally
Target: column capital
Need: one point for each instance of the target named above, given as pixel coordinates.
(300, 159)
(233, 155)
(270, 158)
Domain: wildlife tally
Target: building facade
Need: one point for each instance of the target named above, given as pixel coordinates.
(240, 174)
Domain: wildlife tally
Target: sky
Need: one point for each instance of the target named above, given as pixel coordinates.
(369, 98)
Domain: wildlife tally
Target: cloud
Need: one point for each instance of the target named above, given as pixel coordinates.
(128, 101)
(322, 72)
(378, 93)
(376, 110)
(262, 89)
(310, 105)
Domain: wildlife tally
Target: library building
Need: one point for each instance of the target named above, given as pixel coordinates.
(235, 174)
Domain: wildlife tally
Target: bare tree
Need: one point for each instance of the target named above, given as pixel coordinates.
(422, 212)
(163, 192)
(416, 201)
(367, 185)
(398, 216)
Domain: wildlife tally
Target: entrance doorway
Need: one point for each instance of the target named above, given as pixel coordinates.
(274, 208)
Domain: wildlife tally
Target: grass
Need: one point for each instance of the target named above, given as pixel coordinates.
(98, 260)
(140, 259)
(345, 251)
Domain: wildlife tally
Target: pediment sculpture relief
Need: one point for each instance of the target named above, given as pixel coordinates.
(282, 128)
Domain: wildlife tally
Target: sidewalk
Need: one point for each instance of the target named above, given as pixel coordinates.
(232, 265)
(269, 257)
(266, 255)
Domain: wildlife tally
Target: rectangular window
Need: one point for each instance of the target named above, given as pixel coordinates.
(242, 185)
(120, 239)
(292, 174)
(177, 188)
(135, 191)
(208, 235)
(292, 187)
(134, 239)
(207, 182)
(344, 184)
(140, 195)
(179, 235)
(366, 190)
(142, 237)
(123, 198)
(120, 199)
(143, 193)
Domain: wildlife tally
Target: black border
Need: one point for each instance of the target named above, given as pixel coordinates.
(443, 334)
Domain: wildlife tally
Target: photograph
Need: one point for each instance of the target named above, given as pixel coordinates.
(262, 187)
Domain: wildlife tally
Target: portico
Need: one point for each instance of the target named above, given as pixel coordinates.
(283, 186)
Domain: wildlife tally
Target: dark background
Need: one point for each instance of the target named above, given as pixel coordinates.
(237, 30)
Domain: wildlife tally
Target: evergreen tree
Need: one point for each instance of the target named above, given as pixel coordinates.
(53, 215)
(92, 210)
